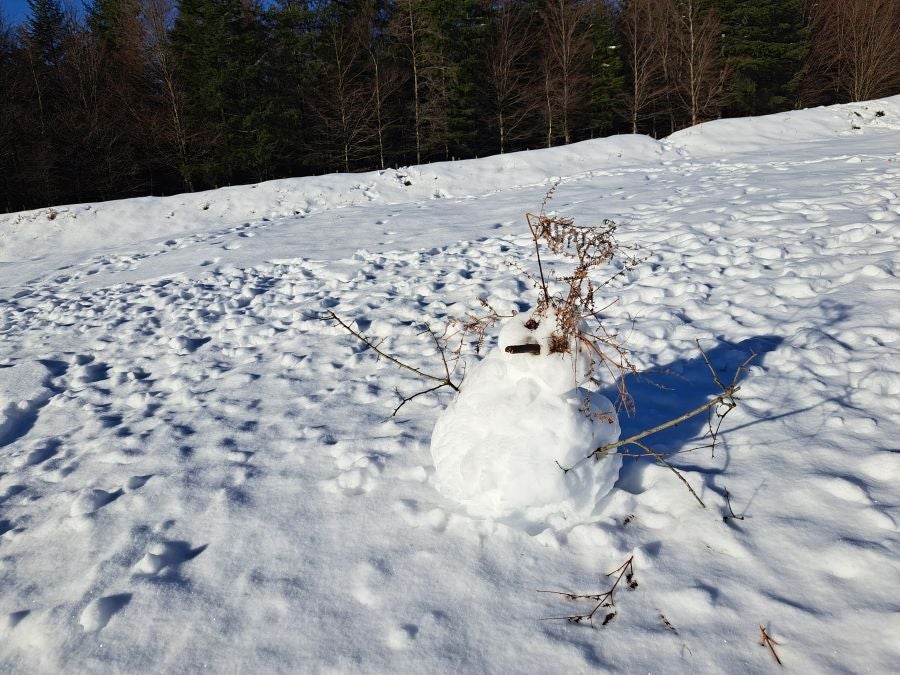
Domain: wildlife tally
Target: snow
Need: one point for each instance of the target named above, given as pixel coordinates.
(516, 416)
(196, 471)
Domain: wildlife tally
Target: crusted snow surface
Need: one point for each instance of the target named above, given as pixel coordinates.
(200, 472)
(517, 417)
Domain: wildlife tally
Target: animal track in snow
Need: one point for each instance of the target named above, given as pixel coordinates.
(97, 614)
(90, 500)
(165, 559)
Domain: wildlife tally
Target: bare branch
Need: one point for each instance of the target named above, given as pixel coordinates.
(407, 399)
(765, 640)
(442, 382)
(721, 398)
(731, 513)
(726, 399)
(666, 464)
(603, 600)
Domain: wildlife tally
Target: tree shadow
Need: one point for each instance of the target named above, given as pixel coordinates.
(669, 390)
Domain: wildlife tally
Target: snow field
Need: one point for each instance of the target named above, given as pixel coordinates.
(196, 471)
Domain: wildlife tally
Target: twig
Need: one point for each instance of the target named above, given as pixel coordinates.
(535, 234)
(445, 381)
(713, 433)
(681, 477)
(442, 382)
(721, 398)
(605, 600)
(726, 398)
(766, 641)
(731, 513)
(407, 399)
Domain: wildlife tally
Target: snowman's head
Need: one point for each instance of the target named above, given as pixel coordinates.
(534, 345)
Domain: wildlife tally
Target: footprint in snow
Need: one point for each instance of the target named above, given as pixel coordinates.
(164, 560)
(403, 636)
(90, 500)
(97, 614)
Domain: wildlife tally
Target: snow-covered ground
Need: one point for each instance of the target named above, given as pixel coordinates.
(197, 472)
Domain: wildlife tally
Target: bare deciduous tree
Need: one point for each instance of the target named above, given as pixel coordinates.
(507, 73)
(157, 17)
(699, 75)
(344, 104)
(386, 79)
(643, 25)
(408, 28)
(856, 47)
(566, 52)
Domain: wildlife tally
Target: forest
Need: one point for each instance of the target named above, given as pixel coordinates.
(141, 97)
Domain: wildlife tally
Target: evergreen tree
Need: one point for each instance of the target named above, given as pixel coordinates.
(116, 46)
(8, 124)
(766, 43)
(292, 27)
(46, 29)
(462, 29)
(221, 49)
(607, 76)
(41, 99)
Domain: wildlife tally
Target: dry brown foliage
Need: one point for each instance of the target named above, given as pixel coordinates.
(572, 294)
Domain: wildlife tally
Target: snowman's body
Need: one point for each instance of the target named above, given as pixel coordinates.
(496, 447)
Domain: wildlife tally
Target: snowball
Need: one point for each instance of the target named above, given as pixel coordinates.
(496, 446)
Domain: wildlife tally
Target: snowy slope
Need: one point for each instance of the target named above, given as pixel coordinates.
(196, 472)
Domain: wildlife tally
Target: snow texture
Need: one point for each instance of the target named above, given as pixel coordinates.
(196, 471)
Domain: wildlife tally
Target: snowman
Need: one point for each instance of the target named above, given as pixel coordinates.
(521, 414)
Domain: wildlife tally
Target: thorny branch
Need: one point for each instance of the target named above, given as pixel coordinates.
(604, 600)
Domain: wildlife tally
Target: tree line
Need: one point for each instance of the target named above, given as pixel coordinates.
(135, 97)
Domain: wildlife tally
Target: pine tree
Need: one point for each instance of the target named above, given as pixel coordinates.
(766, 43)
(462, 30)
(293, 29)
(607, 77)
(42, 90)
(220, 46)
(8, 124)
(46, 29)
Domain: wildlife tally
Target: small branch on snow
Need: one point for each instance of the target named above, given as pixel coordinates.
(666, 464)
(731, 513)
(765, 640)
(722, 398)
(444, 381)
(603, 600)
(726, 400)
